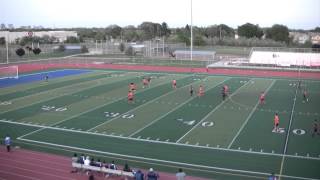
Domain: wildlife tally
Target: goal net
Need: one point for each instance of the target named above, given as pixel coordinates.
(9, 72)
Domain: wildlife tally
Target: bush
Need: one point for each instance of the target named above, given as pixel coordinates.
(36, 51)
(84, 49)
(20, 52)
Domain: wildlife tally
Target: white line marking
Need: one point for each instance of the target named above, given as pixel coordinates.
(162, 161)
(249, 116)
(138, 107)
(209, 114)
(288, 132)
(177, 107)
(163, 142)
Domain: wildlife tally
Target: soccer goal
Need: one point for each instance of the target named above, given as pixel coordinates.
(9, 72)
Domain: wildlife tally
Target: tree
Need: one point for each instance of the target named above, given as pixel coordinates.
(250, 30)
(165, 31)
(278, 33)
(36, 51)
(2, 40)
(122, 47)
(317, 29)
(20, 52)
(114, 31)
(150, 30)
(72, 40)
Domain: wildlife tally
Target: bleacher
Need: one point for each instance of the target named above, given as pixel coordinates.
(102, 170)
(307, 59)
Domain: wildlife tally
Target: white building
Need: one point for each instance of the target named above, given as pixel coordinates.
(60, 35)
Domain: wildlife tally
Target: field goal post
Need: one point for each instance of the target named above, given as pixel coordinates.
(9, 72)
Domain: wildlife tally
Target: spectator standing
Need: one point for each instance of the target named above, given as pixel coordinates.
(152, 175)
(126, 168)
(139, 175)
(7, 142)
(180, 174)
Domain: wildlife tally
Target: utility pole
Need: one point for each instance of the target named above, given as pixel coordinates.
(191, 41)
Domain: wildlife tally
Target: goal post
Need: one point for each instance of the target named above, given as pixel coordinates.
(9, 72)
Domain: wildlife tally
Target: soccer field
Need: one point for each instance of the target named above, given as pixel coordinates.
(87, 111)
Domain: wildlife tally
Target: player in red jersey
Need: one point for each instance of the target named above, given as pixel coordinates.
(145, 82)
(132, 87)
(201, 91)
(174, 84)
(130, 97)
(262, 98)
(276, 122)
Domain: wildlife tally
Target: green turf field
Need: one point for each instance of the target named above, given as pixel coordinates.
(167, 128)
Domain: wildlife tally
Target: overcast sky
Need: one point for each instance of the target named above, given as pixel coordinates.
(296, 14)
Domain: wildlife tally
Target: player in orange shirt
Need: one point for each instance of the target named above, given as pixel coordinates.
(132, 87)
(262, 98)
(174, 84)
(130, 97)
(276, 122)
(201, 91)
(145, 82)
(226, 89)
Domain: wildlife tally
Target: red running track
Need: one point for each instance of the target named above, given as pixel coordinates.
(21, 164)
(218, 71)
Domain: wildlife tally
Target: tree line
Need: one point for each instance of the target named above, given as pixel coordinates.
(249, 35)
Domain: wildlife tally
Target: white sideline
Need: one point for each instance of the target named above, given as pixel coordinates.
(160, 142)
(164, 161)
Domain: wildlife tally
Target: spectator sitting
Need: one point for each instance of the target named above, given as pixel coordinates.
(126, 168)
(92, 162)
(180, 175)
(152, 175)
(87, 161)
(104, 164)
(81, 159)
(98, 163)
(139, 175)
(74, 159)
(113, 166)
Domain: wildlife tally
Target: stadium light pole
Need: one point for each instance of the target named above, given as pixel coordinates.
(7, 46)
(191, 38)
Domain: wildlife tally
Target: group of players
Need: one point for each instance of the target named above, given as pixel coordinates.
(133, 87)
(225, 91)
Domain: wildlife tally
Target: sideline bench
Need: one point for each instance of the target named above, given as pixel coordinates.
(102, 169)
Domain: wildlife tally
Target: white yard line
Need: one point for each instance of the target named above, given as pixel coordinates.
(249, 116)
(161, 161)
(217, 107)
(159, 142)
(288, 133)
(177, 107)
(59, 95)
(92, 109)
